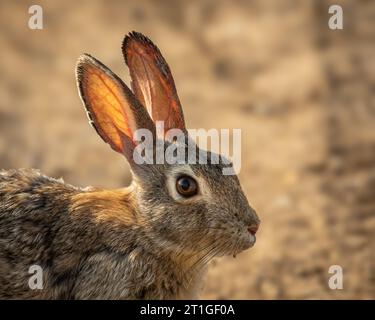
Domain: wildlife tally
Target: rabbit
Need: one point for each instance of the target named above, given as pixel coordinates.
(151, 240)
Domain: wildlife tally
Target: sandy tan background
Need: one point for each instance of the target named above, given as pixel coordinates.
(302, 94)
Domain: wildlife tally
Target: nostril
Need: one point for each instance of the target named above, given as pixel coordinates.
(253, 229)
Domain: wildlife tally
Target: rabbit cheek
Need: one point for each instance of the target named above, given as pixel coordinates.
(177, 224)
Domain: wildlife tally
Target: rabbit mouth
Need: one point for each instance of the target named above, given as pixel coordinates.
(245, 241)
(248, 242)
(251, 239)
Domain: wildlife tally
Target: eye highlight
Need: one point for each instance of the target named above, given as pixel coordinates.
(186, 186)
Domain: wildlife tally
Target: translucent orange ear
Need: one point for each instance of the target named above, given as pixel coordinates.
(152, 81)
(112, 108)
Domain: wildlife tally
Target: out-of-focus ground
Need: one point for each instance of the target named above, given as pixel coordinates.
(302, 94)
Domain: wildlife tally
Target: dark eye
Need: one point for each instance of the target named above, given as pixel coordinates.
(186, 186)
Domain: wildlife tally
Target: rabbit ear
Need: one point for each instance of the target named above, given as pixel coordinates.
(112, 108)
(152, 81)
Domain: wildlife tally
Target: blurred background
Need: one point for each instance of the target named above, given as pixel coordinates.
(302, 94)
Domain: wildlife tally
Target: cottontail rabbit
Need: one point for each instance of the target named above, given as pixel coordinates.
(151, 240)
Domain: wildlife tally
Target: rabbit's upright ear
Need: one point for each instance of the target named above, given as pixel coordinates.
(152, 81)
(112, 108)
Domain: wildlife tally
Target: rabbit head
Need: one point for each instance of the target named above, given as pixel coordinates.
(187, 208)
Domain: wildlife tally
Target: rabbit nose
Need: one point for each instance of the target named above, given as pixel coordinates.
(253, 229)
